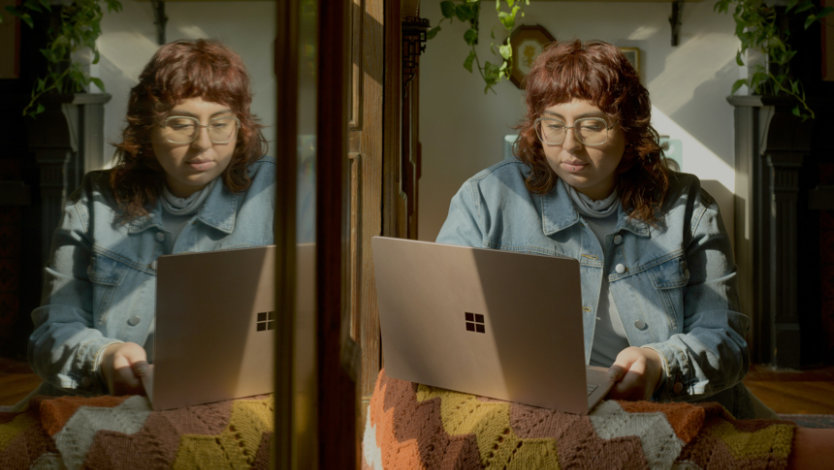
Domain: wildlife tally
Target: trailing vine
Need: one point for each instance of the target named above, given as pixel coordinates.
(468, 12)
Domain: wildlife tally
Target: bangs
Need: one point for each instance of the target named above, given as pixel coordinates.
(203, 69)
(567, 71)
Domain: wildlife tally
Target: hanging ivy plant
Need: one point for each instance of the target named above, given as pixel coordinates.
(68, 27)
(468, 12)
(763, 26)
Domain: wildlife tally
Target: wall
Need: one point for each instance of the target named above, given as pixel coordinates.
(462, 129)
(129, 40)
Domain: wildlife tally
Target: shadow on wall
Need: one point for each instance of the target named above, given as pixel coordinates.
(711, 132)
(724, 198)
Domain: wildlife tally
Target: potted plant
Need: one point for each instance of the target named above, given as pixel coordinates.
(65, 32)
(764, 28)
(65, 123)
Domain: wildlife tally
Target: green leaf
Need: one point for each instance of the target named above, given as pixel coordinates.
(471, 36)
(739, 59)
(447, 9)
(738, 84)
(507, 20)
(803, 7)
(465, 12)
(432, 32)
(506, 51)
(97, 82)
(467, 64)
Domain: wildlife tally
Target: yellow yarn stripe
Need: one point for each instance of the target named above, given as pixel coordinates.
(463, 414)
(12, 429)
(236, 445)
(775, 440)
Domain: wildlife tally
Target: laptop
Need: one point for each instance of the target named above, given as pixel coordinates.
(493, 323)
(215, 327)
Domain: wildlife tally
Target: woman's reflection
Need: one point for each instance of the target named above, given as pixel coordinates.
(191, 175)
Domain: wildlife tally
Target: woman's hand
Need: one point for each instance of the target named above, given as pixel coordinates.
(636, 373)
(123, 365)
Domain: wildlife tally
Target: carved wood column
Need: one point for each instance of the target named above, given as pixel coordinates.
(771, 145)
(66, 140)
(783, 274)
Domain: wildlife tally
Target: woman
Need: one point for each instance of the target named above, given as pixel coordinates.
(658, 281)
(190, 176)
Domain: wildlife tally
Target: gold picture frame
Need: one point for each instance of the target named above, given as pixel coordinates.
(527, 42)
(633, 56)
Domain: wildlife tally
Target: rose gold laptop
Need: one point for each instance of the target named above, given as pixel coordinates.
(493, 323)
(215, 320)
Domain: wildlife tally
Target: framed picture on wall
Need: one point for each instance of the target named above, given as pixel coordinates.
(633, 56)
(527, 41)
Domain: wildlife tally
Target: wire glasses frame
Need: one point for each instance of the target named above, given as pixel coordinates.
(590, 131)
(185, 129)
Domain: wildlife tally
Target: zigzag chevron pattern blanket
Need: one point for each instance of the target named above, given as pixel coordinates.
(413, 426)
(124, 433)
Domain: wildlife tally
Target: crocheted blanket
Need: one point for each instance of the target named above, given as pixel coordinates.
(123, 432)
(416, 426)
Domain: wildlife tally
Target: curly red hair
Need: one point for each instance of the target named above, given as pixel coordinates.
(180, 70)
(599, 73)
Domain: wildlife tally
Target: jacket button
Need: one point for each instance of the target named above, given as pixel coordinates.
(618, 239)
(620, 268)
(678, 387)
(640, 325)
(134, 320)
(160, 237)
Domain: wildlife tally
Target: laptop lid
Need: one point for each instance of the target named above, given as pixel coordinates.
(492, 323)
(215, 320)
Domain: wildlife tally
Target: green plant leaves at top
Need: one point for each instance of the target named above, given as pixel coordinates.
(466, 12)
(447, 9)
(738, 84)
(507, 19)
(467, 64)
(506, 50)
(813, 18)
(471, 36)
(97, 81)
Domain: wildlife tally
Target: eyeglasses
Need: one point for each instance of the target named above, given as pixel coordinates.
(185, 129)
(591, 131)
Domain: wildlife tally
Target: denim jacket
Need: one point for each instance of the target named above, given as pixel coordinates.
(100, 285)
(673, 282)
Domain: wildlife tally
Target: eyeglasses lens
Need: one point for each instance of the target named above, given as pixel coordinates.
(588, 131)
(184, 129)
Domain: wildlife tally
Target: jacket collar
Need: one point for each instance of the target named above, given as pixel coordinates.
(558, 213)
(219, 211)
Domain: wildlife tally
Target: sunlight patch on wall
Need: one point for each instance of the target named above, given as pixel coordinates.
(674, 86)
(643, 33)
(113, 46)
(696, 157)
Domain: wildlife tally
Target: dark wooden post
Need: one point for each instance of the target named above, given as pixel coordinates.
(66, 140)
(771, 145)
